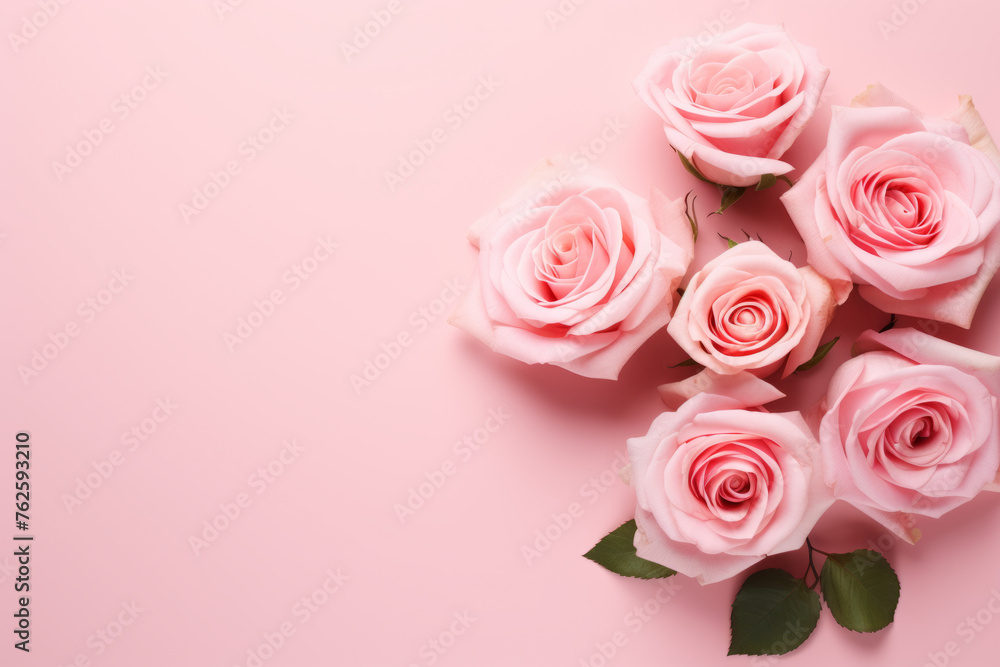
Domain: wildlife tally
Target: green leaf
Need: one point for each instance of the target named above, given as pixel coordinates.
(784, 178)
(730, 195)
(687, 363)
(691, 168)
(731, 243)
(861, 589)
(774, 613)
(767, 181)
(821, 352)
(617, 553)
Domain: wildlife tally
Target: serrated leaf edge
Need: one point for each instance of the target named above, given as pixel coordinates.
(898, 585)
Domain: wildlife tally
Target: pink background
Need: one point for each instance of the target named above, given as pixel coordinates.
(333, 504)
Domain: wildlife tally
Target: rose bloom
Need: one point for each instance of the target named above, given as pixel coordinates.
(749, 309)
(720, 483)
(905, 206)
(575, 271)
(909, 427)
(734, 106)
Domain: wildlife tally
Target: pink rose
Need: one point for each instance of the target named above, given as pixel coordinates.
(910, 427)
(575, 271)
(734, 106)
(749, 309)
(721, 483)
(905, 206)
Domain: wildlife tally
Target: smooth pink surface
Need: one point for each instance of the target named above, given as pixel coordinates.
(321, 181)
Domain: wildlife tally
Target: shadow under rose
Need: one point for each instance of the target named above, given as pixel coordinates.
(562, 394)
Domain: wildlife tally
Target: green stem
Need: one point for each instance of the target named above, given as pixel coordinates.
(811, 567)
(812, 548)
